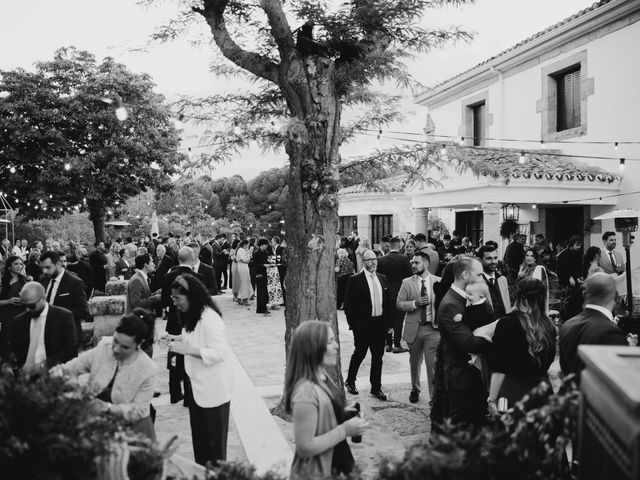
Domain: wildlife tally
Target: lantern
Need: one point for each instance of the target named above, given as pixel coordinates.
(511, 211)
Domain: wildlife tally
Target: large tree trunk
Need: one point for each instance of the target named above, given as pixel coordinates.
(96, 215)
(312, 219)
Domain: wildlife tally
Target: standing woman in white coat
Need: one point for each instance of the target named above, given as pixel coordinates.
(206, 360)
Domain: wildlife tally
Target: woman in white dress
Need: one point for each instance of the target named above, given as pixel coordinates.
(531, 269)
(243, 277)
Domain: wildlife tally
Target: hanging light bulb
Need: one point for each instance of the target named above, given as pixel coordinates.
(534, 206)
(236, 128)
(50, 196)
(12, 169)
(461, 140)
(615, 146)
(475, 207)
(39, 200)
(542, 144)
(67, 166)
(622, 164)
(523, 159)
(443, 150)
(189, 153)
(378, 137)
(121, 113)
(600, 199)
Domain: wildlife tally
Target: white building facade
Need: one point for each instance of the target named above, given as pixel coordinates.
(572, 90)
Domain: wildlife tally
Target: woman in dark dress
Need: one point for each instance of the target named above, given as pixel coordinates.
(33, 265)
(524, 345)
(13, 280)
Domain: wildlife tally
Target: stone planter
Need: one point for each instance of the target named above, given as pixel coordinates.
(107, 312)
(116, 287)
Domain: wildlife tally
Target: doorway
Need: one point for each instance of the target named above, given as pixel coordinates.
(563, 222)
(470, 224)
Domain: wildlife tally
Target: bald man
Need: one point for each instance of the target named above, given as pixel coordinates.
(175, 362)
(594, 326)
(44, 335)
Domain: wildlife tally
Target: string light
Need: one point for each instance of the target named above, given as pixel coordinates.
(236, 128)
(534, 206)
(67, 166)
(12, 169)
(600, 199)
(443, 150)
(379, 135)
(121, 113)
(622, 164)
(542, 144)
(615, 147)
(475, 207)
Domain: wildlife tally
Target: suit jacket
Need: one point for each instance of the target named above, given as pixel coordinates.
(123, 269)
(98, 260)
(138, 294)
(71, 295)
(206, 254)
(357, 303)
(161, 270)
(590, 327)
(457, 343)
(396, 267)
(503, 287)
(410, 291)
(220, 259)
(208, 278)
(59, 337)
(605, 261)
(173, 324)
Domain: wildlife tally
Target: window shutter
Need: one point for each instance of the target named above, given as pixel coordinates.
(568, 100)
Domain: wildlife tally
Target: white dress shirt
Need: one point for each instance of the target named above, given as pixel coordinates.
(212, 375)
(41, 353)
(372, 280)
(54, 287)
(427, 283)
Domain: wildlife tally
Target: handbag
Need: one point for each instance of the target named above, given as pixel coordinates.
(342, 461)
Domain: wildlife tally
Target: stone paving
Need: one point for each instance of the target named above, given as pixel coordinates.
(258, 343)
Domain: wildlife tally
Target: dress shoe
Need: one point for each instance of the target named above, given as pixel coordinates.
(265, 312)
(400, 350)
(379, 394)
(351, 388)
(388, 348)
(413, 396)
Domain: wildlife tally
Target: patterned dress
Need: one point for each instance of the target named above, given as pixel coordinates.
(273, 284)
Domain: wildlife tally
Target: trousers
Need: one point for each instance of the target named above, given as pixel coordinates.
(372, 340)
(423, 347)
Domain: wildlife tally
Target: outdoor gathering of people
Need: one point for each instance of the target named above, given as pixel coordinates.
(486, 328)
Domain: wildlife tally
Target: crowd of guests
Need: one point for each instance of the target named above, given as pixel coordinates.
(44, 292)
(482, 325)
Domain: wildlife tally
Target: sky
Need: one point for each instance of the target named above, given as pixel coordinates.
(32, 31)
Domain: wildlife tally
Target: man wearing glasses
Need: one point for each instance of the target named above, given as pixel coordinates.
(44, 335)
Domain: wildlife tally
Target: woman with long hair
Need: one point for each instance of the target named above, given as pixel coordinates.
(33, 269)
(531, 268)
(591, 262)
(121, 374)
(316, 404)
(365, 244)
(206, 361)
(410, 248)
(524, 345)
(13, 279)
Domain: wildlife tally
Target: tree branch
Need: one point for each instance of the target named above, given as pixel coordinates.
(213, 12)
(280, 29)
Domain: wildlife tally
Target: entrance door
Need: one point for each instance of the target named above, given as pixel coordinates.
(563, 222)
(470, 224)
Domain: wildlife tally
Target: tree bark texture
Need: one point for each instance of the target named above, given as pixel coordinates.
(96, 215)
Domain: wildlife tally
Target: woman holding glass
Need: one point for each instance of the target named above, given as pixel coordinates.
(13, 279)
(317, 406)
(206, 361)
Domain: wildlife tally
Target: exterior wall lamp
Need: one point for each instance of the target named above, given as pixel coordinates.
(511, 211)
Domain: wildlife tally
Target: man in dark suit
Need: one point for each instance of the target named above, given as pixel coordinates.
(594, 326)
(64, 289)
(82, 269)
(163, 264)
(139, 287)
(98, 260)
(206, 254)
(396, 267)
(498, 284)
(514, 253)
(465, 396)
(367, 307)
(220, 249)
(175, 362)
(204, 270)
(260, 259)
(44, 335)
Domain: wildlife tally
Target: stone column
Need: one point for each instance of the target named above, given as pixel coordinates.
(491, 220)
(364, 226)
(420, 218)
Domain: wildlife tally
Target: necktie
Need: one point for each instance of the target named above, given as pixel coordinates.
(34, 339)
(492, 281)
(613, 259)
(375, 312)
(423, 311)
(51, 283)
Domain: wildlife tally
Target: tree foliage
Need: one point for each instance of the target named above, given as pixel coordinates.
(78, 133)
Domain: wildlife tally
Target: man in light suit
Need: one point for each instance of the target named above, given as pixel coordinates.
(423, 245)
(594, 326)
(367, 308)
(139, 289)
(416, 298)
(498, 284)
(44, 335)
(610, 260)
(64, 289)
(465, 395)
